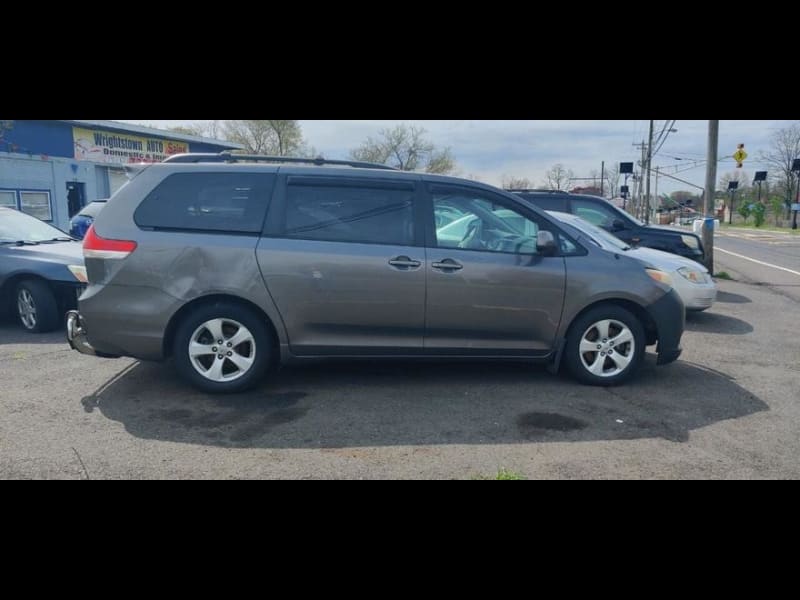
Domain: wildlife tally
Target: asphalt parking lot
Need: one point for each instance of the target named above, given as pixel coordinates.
(727, 409)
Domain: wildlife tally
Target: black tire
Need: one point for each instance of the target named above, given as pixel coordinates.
(46, 316)
(263, 349)
(581, 326)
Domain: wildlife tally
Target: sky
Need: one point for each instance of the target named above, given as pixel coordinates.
(488, 150)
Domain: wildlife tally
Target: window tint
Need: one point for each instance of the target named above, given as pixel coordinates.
(547, 202)
(472, 222)
(594, 212)
(226, 202)
(350, 214)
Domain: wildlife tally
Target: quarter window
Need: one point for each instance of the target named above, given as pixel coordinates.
(222, 202)
(350, 214)
(594, 212)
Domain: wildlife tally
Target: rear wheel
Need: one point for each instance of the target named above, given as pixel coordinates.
(605, 346)
(37, 308)
(222, 348)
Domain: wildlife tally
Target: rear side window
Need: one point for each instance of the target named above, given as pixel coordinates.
(224, 202)
(547, 202)
(355, 214)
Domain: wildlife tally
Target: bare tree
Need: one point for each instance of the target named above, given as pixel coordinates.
(784, 148)
(209, 129)
(558, 178)
(277, 138)
(406, 148)
(509, 182)
(613, 176)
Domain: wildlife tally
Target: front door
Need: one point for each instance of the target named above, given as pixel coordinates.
(489, 289)
(346, 267)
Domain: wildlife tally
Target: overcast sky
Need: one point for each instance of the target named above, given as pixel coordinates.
(487, 150)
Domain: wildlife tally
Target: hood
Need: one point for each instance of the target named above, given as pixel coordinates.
(67, 253)
(671, 230)
(664, 260)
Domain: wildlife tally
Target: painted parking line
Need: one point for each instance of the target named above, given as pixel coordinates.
(759, 262)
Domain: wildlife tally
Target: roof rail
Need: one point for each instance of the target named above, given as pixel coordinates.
(231, 157)
(539, 191)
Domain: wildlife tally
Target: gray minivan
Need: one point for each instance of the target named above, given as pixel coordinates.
(230, 264)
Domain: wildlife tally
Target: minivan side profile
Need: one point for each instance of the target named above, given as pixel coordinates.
(231, 264)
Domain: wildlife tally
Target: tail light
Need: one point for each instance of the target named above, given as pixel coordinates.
(95, 246)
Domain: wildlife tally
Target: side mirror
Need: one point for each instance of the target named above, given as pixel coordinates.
(546, 243)
(618, 225)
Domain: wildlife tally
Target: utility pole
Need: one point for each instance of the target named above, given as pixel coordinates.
(602, 177)
(649, 163)
(711, 181)
(655, 194)
(637, 196)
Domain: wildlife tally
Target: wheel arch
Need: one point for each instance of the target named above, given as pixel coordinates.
(649, 325)
(180, 314)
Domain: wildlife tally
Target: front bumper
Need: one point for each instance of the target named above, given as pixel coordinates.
(669, 315)
(76, 336)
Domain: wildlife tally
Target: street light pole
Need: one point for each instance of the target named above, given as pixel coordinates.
(711, 180)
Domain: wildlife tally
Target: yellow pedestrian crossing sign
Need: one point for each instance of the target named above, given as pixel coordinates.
(739, 156)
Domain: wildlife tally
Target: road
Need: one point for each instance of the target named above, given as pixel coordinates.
(770, 259)
(727, 409)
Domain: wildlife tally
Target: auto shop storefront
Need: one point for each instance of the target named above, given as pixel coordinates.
(51, 169)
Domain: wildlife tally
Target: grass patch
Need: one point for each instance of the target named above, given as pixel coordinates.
(724, 275)
(502, 475)
(765, 228)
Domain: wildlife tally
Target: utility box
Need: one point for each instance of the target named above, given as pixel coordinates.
(697, 226)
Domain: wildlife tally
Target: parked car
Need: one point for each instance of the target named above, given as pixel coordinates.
(41, 271)
(80, 223)
(599, 211)
(692, 281)
(231, 264)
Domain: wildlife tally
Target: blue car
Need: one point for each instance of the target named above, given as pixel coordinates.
(41, 271)
(80, 223)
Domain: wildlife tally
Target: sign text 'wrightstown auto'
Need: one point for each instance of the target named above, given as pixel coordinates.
(111, 147)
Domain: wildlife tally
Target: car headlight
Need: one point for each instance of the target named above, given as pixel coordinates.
(693, 275)
(79, 272)
(690, 241)
(660, 276)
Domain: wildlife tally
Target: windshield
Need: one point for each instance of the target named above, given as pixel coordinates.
(19, 227)
(599, 236)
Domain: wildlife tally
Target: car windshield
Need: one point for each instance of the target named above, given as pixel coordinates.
(92, 209)
(595, 234)
(19, 227)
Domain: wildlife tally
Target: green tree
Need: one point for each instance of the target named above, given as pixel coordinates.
(274, 138)
(407, 148)
(784, 149)
(776, 204)
(759, 213)
(744, 210)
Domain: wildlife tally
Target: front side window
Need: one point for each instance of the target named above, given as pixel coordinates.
(472, 222)
(36, 204)
(595, 213)
(221, 202)
(350, 214)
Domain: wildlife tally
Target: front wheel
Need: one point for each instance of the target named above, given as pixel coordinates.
(222, 348)
(37, 308)
(605, 346)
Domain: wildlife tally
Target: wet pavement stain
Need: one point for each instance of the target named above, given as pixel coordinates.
(535, 422)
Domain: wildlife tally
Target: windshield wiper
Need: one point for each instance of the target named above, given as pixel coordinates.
(20, 243)
(60, 239)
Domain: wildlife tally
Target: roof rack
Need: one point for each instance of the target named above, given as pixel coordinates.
(231, 157)
(540, 191)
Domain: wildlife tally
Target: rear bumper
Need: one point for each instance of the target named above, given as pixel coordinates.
(669, 315)
(76, 336)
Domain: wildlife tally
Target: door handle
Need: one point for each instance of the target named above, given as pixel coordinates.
(404, 262)
(448, 264)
